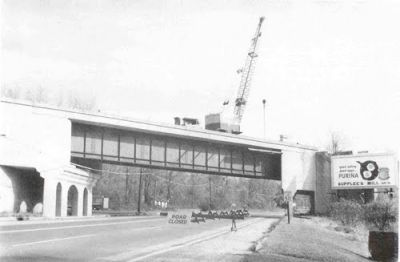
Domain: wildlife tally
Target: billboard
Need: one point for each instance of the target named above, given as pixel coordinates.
(364, 171)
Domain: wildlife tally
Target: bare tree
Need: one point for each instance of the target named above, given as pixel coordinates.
(13, 93)
(74, 101)
(36, 95)
(336, 143)
(127, 186)
(41, 95)
(169, 185)
(146, 189)
(29, 95)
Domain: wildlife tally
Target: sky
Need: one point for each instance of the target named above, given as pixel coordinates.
(324, 66)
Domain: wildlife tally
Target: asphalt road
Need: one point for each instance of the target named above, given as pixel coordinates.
(108, 239)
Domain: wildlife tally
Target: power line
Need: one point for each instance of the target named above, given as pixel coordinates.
(107, 171)
(133, 173)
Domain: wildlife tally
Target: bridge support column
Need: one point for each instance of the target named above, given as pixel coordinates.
(49, 197)
(64, 199)
(80, 201)
(90, 201)
(291, 166)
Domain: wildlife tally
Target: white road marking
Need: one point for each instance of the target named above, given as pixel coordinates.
(74, 237)
(76, 226)
(51, 240)
(194, 241)
(172, 245)
(66, 220)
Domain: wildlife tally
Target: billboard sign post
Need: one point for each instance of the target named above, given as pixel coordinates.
(364, 171)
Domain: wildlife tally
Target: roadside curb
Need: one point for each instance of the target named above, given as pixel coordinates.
(257, 245)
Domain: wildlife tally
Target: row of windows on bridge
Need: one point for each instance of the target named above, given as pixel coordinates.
(110, 144)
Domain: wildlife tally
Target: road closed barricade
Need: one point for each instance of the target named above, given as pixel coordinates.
(197, 217)
(233, 214)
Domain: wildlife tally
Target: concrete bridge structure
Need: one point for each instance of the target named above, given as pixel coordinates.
(42, 150)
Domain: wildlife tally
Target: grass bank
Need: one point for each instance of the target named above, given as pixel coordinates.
(311, 239)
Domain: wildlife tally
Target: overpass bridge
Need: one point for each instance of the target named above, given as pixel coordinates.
(92, 142)
(42, 144)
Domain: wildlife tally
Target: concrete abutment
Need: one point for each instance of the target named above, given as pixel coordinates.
(68, 192)
(58, 193)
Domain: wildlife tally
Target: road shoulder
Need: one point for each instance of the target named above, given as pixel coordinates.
(229, 246)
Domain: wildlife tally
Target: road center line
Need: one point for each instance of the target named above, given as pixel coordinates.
(51, 240)
(77, 226)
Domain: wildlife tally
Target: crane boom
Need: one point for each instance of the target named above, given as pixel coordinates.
(245, 81)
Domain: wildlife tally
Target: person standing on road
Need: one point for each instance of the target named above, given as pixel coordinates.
(233, 214)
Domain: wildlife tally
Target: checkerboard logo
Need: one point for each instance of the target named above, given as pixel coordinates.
(369, 170)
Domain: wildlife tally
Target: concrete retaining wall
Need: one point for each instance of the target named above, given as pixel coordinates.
(323, 194)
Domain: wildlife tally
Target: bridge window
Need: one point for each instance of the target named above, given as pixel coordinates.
(259, 164)
(237, 162)
(199, 157)
(172, 154)
(127, 146)
(248, 164)
(157, 151)
(186, 155)
(213, 158)
(143, 150)
(225, 159)
(110, 145)
(77, 139)
(93, 143)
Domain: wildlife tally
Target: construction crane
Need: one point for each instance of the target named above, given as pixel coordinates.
(214, 121)
(245, 82)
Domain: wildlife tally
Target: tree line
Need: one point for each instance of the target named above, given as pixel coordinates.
(61, 98)
(182, 190)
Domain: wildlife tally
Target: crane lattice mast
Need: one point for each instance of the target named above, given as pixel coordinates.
(245, 81)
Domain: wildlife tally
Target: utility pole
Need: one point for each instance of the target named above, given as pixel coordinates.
(264, 101)
(155, 190)
(140, 190)
(127, 186)
(191, 176)
(209, 183)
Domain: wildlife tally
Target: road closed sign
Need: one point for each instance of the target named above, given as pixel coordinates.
(364, 171)
(178, 219)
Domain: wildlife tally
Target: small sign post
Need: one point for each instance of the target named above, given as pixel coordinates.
(288, 200)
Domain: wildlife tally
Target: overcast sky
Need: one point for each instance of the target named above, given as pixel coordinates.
(324, 66)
